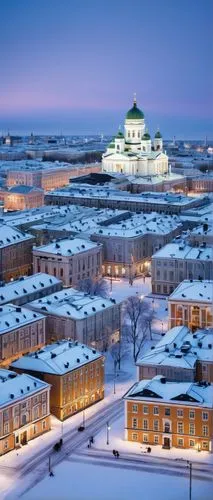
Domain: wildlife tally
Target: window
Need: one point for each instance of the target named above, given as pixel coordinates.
(156, 439)
(179, 413)
(205, 430)
(5, 445)
(191, 414)
(192, 429)
(156, 410)
(205, 415)
(205, 445)
(44, 408)
(34, 429)
(180, 441)
(145, 425)
(156, 425)
(191, 443)
(167, 427)
(134, 423)
(44, 424)
(167, 412)
(145, 438)
(146, 410)
(61, 272)
(6, 428)
(134, 436)
(180, 427)
(16, 422)
(134, 408)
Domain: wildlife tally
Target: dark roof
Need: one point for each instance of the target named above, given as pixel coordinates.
(93, 178)
(23, 189)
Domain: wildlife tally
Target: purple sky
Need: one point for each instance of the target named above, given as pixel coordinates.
(72, 66)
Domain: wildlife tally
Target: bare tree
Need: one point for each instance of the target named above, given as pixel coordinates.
(137, 317)
(118, 351)
(94, 287)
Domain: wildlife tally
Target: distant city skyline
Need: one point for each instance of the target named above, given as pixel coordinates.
(72, 67)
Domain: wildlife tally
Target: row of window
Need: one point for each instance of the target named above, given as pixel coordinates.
(180, 441)
(167, 412)
(167, 427)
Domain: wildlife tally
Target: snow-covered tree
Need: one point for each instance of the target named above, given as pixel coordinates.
(137, 316)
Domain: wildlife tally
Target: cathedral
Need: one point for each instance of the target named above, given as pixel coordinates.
(134, 153)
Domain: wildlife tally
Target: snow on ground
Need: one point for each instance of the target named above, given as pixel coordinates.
(117, 442)
(83, 481)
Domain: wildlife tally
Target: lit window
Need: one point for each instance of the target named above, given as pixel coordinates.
(192, 429)
(205, 445)
(191, 442)
(145, 438)
(205, 430)
(180, 427)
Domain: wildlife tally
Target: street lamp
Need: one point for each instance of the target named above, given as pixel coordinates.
(162, 328)
(84, 418)
(190, 479)
(108, 429)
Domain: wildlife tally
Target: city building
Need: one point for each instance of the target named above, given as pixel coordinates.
(22, 197)
(180, 356)
(99, 197)
(179, 261)
(128, 239)
(202, 235)
(191, 304)
(24, 409)
(21, 331)
(170, 414)
(45, 175)
(28, 288)
(15, 253)
(70, 260)
(133, 153)
(74, 371)
(92, 320)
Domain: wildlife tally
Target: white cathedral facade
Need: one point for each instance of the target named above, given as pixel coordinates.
(134, 153)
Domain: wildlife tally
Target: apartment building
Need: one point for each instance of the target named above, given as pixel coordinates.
(24, 409)
(92, 320)
(191, 304)
(128, 239)
(22, 197)
(177, 262)
(170, 414)
(180, 356)
(99, 197)
(15, 253)
(28, 288)
(21, 331)
(70, 260)
(74, 371)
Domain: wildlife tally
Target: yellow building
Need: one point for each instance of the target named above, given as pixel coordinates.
(24, 409)
(74, 371)
(191, 304)
(170, 414)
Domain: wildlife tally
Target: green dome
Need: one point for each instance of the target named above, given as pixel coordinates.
(119, 135)
(111, 145)
(158, 135)
(134, 113)
(146, 137)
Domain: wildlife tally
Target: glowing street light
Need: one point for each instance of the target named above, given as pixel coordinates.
(108, 429)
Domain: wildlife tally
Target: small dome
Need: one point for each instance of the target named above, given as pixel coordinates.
(111, 145)
(146, 136)
(158, 135)
(119, 135)
(134, 113)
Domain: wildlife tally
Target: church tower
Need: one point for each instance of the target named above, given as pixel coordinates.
(134, 126)
(158, 141)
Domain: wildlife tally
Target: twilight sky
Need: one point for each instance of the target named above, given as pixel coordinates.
(72, 66)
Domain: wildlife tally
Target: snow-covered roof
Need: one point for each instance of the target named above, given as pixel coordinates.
(11, 236)
(67, 247)
(180, 348)
(182, 250)
(21, 189)
(13, 317)
(193, 291)
(44, 213)
(14, 387)
(38, 165)
(76, 191)
(26, 285)
(155, 179)
(72, 304)
(58, 358)
(182, 393)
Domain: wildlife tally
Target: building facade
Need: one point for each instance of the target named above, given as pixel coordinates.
(74, 371)
(70, 260)
(191, 304)
(28, 288)
(177, 262)
(15, 253)
(23, 198)
(24, 409)
(21, 331)
(170, 414)
(93, 320)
